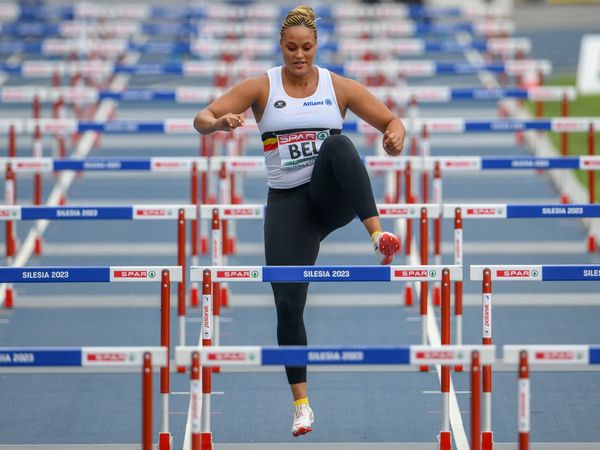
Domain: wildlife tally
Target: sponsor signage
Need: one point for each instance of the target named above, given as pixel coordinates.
(177, 126)
(416, 274)
(482, 211)
(588, 70)
(566, 125)
(240, 212)
(383, 163)
(231, 356)
(10, 212)
(548, 354)
(442, 125)
(32, 165)
(237, 274)
(170, 165)
(448, 164)
(589, 162)
(121, 356)
(143, 274)
(517, 273)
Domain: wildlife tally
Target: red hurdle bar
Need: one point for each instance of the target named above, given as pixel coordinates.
(37, 181)
(147, 402)
(487, 438)
(475, 402)
(424, 284)
(564, 143)
(592, 245)
(11, 244)
(408, 287)
(437, 227)
(458, 285)
(524, 408)
(181, 285)
(194, 233)
(445, 434)
(207, 330)
(164, 437)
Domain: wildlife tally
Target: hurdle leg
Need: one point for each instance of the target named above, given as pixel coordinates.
(164, 437)
(475, 402)
(487, 441)
(445, 434)
(524, 402)
(196, 401)
(147, 402)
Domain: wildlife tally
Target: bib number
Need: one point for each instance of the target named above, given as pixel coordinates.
(300, 149)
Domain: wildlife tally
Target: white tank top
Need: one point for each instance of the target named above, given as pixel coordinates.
(293, 129)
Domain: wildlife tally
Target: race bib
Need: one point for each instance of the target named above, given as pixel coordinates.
(301, 148)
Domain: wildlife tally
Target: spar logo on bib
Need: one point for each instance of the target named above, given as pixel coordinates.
(301, 148)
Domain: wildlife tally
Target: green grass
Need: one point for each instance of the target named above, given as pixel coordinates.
(582, 106)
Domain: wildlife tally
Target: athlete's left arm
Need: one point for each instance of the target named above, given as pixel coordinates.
(354, 96)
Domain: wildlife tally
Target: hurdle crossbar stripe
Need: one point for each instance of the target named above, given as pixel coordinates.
(324, 273)
(552, 354)
(90, 274)
(408, 211)
(569, 272)
(414, 355)
(264, 47)
(507, 211)
(34, 68)
(184, 126)
(247, 164)
(12, 11)
(422, 94)
(81, 356)
(245, 211)
(135, 212)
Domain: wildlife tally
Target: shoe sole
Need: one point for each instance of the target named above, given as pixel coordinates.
(389, 247)
(301, 431)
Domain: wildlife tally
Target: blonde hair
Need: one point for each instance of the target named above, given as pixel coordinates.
(300, 16)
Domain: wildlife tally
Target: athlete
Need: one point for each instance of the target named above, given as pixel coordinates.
(317, 180)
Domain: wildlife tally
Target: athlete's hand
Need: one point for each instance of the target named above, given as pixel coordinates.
(392, 143)
(229, 122)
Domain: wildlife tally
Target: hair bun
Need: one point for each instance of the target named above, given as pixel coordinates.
(304, 10)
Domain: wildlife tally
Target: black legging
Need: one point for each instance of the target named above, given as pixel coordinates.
(298, 219)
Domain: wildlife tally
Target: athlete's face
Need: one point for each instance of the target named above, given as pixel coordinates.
(298, 47)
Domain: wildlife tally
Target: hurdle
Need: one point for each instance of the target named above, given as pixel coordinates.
(531, 356)
(489, 273)
(16, 12)
(508, 47)
(90, 358)
(417, 68)
(180, 213)
(115, 274)
(221, 28)
(201, 359)
(424, 273)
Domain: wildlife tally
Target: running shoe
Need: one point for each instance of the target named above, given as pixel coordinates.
(303, 420)
(386, 246)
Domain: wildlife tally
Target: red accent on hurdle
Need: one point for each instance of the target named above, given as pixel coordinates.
(523, 403)
(398, 187)
(195, 377)
(225, 198)
(487, 440)
(424, 284)
(437, 229)
(424, 174)
(206, 436)
(37, 177)
(12, 142)
(592, 245)
(475, 402)
(408, 288)
(181, 262)
(36, 107)
(165, 326)
(564, 140)
(11, 243)
(195, 232)
(458, 285)
(445, 434)
(147, 402)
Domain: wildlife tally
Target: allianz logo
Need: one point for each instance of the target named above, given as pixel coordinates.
(326, 102)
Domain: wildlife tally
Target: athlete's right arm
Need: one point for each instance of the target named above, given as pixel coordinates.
(227, 112)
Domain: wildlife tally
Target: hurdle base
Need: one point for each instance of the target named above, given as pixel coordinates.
(458, 368)
(194, 298)
(408, 295)
(224, 294)
(8, 298)
(164, 441)
(203, 245)
(437, 296)
(181, 369)
(424, 368)
(487, 440)
(445, 440)
(564, 199)
(206, 441)
(37, 248)
(592, 244)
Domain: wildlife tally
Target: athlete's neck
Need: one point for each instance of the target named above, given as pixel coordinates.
(304, 83)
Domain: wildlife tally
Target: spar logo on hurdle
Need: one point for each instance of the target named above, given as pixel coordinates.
(238, 274)
(134, 274)
(441, 355)
(230, 356)
(559, 356)
(517, 273)
(397, 211)
(154, 212)
(485, 211)
(415, 273)
(112, 357)
(8, 213)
